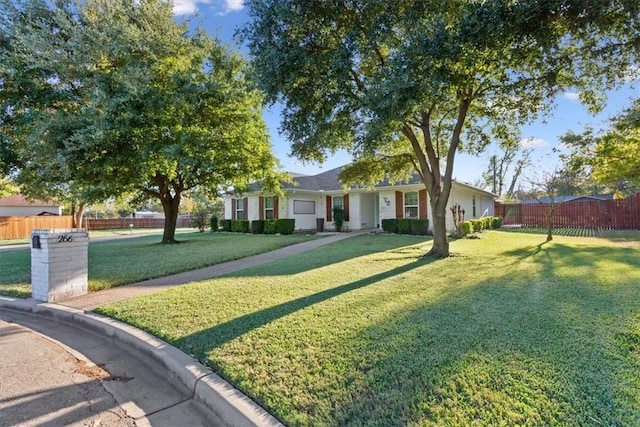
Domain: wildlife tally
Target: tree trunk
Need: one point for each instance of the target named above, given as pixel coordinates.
(440, 248)
(170, 205)
(77, 215)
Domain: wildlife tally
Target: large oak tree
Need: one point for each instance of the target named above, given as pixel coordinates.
(612, 157)
(405, 85)
(103, 97)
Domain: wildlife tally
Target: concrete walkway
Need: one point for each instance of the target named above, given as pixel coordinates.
(162, 385)
(96, 299)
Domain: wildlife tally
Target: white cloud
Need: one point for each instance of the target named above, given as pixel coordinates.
(533, 143)
(233, 5)
(184, 7)
(572, 96)
(187, 7)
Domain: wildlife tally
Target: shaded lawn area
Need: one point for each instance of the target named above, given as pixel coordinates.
(509, 331)
(118, 262)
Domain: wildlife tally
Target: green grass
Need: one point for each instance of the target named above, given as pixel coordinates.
(118, 262)
(105, 233)
(508, 331)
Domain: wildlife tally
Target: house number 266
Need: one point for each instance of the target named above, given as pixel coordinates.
(63, 238)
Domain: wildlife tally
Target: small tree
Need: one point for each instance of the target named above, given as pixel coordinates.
(547, 187)
(338, 218)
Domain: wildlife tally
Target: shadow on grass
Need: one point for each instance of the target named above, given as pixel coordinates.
(222, 333)
(536, 347)
(519, 349)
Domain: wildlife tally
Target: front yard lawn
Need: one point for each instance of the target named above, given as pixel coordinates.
(118, 262)
(508, 331)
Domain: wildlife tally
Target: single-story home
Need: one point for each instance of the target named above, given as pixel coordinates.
(314, 197)
(19, 205)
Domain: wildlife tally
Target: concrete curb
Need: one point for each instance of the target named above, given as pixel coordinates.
(228, 403)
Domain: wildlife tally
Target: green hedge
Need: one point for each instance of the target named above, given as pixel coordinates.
(285, 225)
(257, 226)
(226, 224)
(240, 226)
(466, 228)
(214, 224)
(496, 222)
(404, 226)
(419, 227)
(416, 227)
(479, 224)
(390, 225)
(270, 226)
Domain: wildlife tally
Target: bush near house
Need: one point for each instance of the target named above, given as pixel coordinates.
(270, 226)
(240, 226)
(496, 222)
(285, 225)
(419, 227)
(257, 226)
(479, 224)
(404, 226)
(390, 225)
(416, 227)
(226, 224)
(466, 228)
(282, 226)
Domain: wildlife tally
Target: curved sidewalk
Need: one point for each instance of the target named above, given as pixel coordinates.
(219, 397)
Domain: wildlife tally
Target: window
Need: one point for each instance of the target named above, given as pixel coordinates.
(411, 204)
(304, 207)
(338, 202)
(268, 208)
(240, 209)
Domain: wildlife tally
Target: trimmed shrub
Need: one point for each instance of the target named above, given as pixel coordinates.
(496, 222)
(338, 218)
(226, 224)
(466, 228)
(270, 226)
(488, 222)
(285, 225)
(419, 227)
(257, 226)
(390, 225)
(240, 226)
(213, 222)
(404, 226)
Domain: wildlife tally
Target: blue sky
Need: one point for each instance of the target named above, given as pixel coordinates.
(222, 17)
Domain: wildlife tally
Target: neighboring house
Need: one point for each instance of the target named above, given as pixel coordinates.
(18, 205)
(314, 197)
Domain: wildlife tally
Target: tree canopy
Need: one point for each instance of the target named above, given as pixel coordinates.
(405, 85)
(613, 156)
(103, 97)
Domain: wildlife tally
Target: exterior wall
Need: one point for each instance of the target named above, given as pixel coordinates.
(29, 210)
(387, 203)
(305, 221)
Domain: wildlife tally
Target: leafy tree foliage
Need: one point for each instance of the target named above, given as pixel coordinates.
(104, 97)
(612, 158)
(405, 85)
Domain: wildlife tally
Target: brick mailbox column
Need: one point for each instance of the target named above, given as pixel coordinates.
(59, 263)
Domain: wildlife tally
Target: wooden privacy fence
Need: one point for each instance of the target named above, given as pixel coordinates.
(621, 214)
(121, 223)
(19, 227)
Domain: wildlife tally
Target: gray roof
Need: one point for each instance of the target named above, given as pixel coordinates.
(330, 181)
